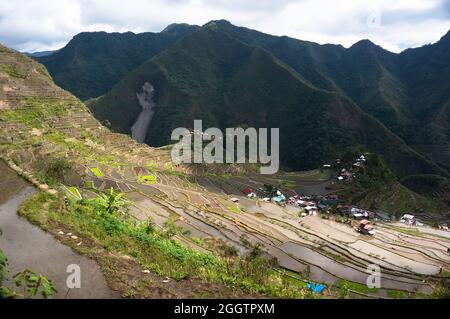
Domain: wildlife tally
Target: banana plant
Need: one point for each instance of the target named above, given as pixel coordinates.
(112, 201)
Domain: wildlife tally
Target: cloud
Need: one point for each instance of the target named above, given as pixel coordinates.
(34, 25)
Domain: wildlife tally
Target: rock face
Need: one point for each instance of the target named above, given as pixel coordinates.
(145, 99)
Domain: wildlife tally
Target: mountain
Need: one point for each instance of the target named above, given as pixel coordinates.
(228, 76)
(407, 92)
(39, 54)
(324, 97)
(50, 139)
(425, 72)
(143, 221)
(92, 62)
(366, 73)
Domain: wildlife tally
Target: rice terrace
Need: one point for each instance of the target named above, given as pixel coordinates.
(93, 204)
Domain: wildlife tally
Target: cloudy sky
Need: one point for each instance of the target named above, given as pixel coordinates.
(37, 25)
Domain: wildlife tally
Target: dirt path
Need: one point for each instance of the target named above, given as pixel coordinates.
(27, 246)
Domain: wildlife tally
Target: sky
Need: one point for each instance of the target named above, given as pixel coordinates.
(40, 25)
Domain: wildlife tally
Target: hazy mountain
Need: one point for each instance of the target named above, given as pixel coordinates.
(39, 54)
(92, 62)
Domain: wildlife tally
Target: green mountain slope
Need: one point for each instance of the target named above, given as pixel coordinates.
(213, 76)
(426, 72)
(93, 62)
(366, 73)
(409, 92)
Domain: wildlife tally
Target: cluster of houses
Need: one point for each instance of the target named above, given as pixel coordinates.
(355, 212)
(411, 220)
(348, 174)
(310, 205)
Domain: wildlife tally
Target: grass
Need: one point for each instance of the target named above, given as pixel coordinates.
(404, 230)
(151, 166)
(313, 175)
(289, 184)
(234, 209)
(146, 179)
(336, 257)
(13, 71)
(74, 192)
(97, 172)
(226, 176)
(35, 113)
(350, 285)
(396, 294)
(393, 198)
(156, 250)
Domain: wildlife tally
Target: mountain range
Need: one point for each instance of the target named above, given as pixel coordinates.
(324, 98)
(152, 229)
(93, 62)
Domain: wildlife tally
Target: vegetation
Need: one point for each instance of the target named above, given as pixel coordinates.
(93, 62)
(36, 112)
(442, 291)
(111, 202)
(375, 186)
(158, 250)
(53, 171)
(396, 294)
(147, 179)
(375, 174)
(234, 209)
(348, 286)
(31, 282)
(221, 75)
(13, 70)
(97, 172)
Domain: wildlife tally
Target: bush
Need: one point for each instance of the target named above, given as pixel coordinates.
(54, 171)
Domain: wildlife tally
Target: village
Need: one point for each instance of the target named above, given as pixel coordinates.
(330, 205)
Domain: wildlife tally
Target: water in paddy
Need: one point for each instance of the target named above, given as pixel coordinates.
(324, 269)
(29, 247)
(309, 188)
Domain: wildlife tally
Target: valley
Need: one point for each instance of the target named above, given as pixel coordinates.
(190, 231)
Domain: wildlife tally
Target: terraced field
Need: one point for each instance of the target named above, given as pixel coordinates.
(197, 197)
